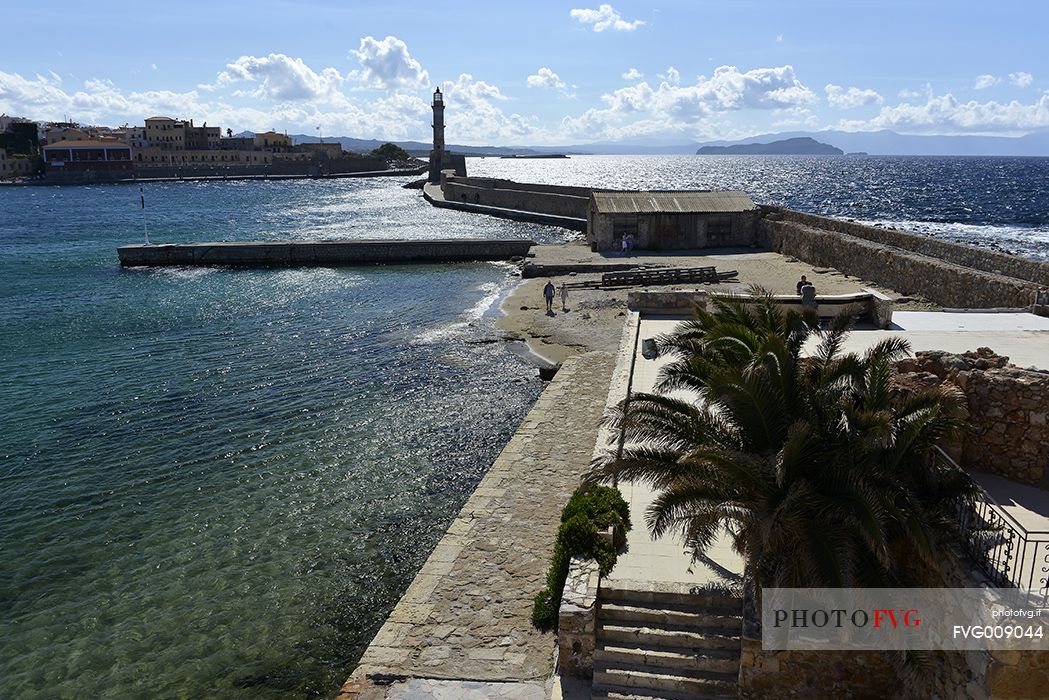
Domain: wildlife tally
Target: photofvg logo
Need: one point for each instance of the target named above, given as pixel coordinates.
(901, 618)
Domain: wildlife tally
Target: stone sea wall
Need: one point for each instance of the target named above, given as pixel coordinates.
(545, 199)
(959, 254)
(1008, 410)
(946, 283)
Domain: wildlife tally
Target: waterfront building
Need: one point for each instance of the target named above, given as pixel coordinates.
(14, 167)
(166, 134)
(273, 142)
(237, 143)
(95, 156)
(670, 220)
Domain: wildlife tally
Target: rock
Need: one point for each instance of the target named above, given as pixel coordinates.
(547, 372)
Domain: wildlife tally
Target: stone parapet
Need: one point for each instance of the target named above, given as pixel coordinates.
(957, 253)
(577, 619)
(1008, 410)
(943, 282)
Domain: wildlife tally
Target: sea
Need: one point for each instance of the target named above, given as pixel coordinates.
(218, 482)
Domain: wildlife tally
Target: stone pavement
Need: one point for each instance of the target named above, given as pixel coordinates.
(648, 561)
(467, 615)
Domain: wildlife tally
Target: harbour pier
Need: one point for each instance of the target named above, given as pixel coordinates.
(322, 253)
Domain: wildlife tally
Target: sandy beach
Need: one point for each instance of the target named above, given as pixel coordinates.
(593, 317)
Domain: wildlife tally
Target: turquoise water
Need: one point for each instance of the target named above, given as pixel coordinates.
(216, 483)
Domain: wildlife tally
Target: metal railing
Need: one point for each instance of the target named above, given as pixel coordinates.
(1010, 555)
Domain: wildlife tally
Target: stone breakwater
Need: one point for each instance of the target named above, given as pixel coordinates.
(949, 274)
(302, 253)
(466, 618)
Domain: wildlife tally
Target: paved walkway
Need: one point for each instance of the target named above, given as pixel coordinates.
(663, 560)
(467, 614)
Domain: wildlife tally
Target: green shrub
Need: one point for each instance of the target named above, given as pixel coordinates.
(590, 510)
(544, 610)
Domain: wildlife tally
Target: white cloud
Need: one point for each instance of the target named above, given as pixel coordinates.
(633, 74)
(474, 115)
(1021, 79)
(909, 94)
(153, 66)
(546, 78)
(852, 97)
(677, 108)
(944, 114)
(279, 77)
(673, 76)
(794, 117)
(985, 81)
(779, 38)
(387, 65)
(604, 17)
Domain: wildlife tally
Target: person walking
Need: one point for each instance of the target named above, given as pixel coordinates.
(548, 294)
(564, 297)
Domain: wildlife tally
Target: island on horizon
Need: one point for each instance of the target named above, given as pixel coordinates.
(802, 146)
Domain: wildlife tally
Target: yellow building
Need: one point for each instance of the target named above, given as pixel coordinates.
(272, 141)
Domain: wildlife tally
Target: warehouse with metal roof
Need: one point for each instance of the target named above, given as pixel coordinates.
(670, 220)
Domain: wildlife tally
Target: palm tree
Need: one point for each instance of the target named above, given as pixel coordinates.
(817, 468)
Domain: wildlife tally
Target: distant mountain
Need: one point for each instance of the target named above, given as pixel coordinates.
(801, 146)
(418, 148)
(876, 143)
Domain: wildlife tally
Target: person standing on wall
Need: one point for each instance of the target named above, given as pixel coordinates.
(548, 294)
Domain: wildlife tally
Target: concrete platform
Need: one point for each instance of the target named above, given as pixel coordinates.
(322, 253)
(650, 562)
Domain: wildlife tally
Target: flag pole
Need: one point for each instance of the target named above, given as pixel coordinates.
(145, 226)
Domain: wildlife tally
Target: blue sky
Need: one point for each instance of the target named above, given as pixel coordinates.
(537, 72)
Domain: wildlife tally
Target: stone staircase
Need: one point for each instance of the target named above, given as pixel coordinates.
(666, 645)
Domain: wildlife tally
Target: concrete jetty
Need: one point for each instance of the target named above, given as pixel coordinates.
(322, 253)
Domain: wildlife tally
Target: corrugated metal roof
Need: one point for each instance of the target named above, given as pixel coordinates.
(672, 202)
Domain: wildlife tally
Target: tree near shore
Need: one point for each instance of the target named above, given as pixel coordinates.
(820, 472)
(391, 152)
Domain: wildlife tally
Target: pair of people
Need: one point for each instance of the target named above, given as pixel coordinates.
(548, 293)
(628, 243)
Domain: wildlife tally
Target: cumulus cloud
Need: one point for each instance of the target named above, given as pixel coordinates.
(474, 114)
(279, 77)
(604, 17)
(794, 117)
(1021, 79)
(945, 114)
(909, 94)
(387, 65)
(673, 76)
(633, 74)
(546, 78)
(680, 107)
(985, 81)
(852, 97)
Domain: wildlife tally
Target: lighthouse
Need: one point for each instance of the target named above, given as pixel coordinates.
(437, 154)
(441, 159)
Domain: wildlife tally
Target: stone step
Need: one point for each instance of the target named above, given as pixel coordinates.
(610, 692)
(714, 660)
(656, 615)
(656, 638)
(693, 604)
(647, 679)
(610, 591)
